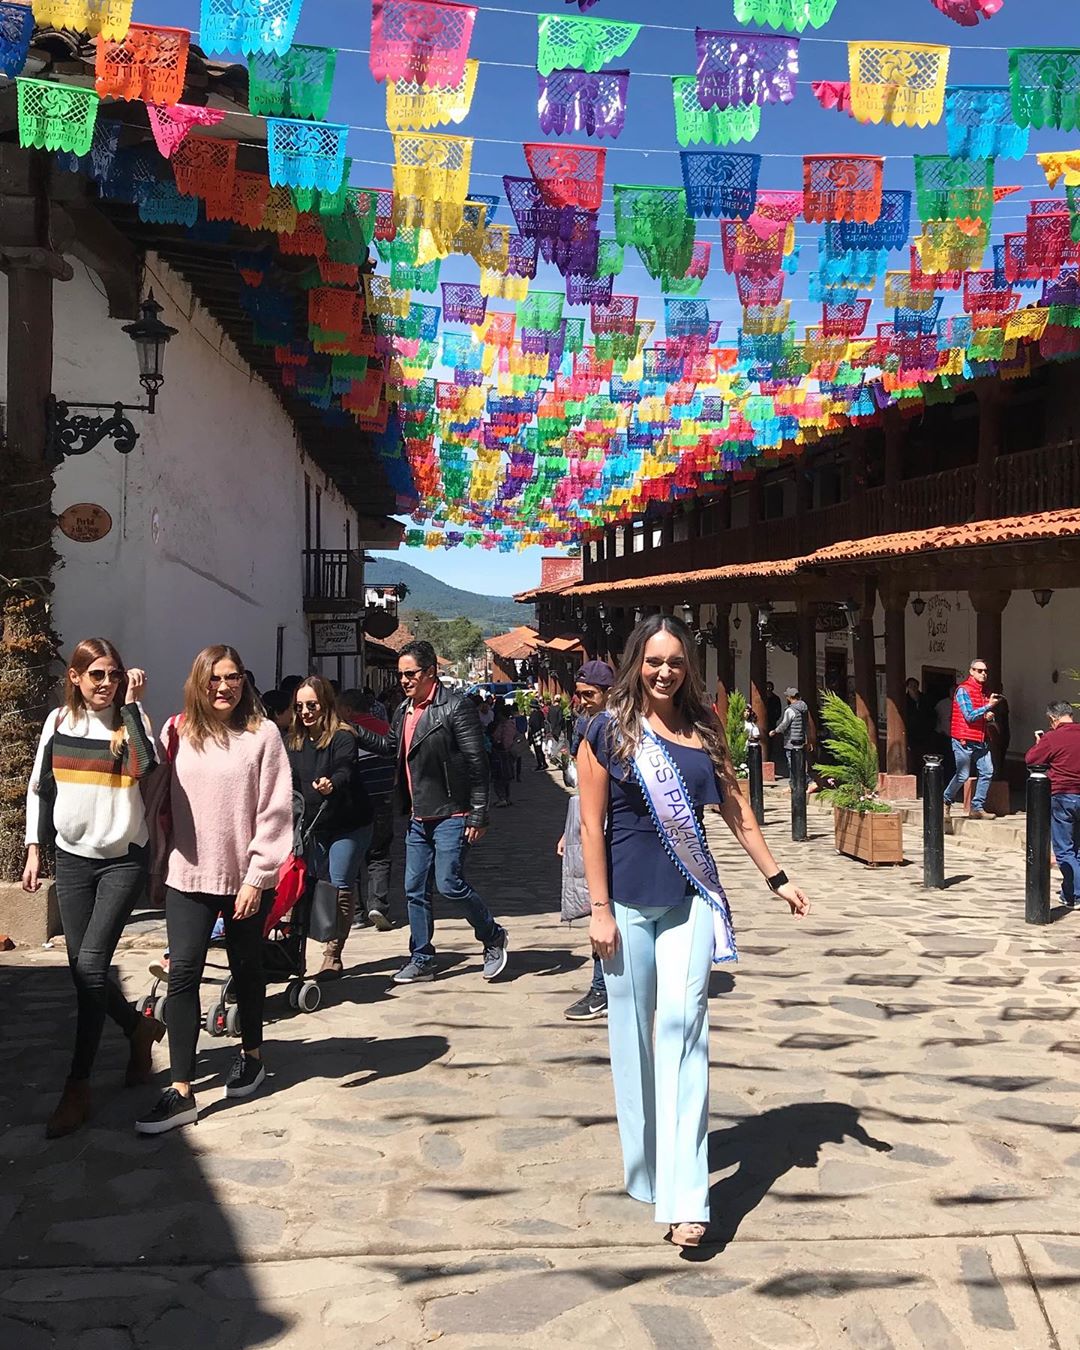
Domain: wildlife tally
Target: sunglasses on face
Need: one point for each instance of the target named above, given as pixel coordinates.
(404, 675)
(104, 676)
(233, 681)
(307, 707)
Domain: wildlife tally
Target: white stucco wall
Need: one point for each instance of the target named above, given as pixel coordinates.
(208, 510)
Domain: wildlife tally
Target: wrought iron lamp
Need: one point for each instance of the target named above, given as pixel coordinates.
(68, 433)
(1042, 597)
(919, 606)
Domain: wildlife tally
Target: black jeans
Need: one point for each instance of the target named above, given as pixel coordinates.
(378, 854)
(96, 897)
(189, 919)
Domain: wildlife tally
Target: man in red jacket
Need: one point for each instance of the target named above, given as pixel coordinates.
(971, 710)
(1059, 750)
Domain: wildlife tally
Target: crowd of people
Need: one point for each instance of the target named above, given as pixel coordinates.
(208, 815)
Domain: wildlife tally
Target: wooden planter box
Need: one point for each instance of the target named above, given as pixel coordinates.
(873, 838)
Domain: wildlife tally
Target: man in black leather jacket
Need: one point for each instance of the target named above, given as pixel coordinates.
(442, 784)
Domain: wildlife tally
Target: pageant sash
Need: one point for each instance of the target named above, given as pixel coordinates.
(682, 835)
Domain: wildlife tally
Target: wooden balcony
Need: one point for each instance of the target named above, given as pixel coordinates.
(1046, 479)
(333, 581)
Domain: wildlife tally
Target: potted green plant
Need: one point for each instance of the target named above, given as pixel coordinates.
(736, 731)
(865, 827)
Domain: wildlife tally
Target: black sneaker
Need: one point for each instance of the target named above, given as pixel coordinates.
(170, 1111)
(588, 1009)
(245, 1076)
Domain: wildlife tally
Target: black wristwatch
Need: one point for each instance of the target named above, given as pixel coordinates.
(775, 882)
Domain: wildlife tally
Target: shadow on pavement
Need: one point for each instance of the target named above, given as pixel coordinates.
(763, 1149)
(104, 1228)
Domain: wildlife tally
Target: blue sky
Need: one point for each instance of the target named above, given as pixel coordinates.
(504, 109)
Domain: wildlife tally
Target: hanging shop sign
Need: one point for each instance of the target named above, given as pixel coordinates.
(85, 522)
(336, 638)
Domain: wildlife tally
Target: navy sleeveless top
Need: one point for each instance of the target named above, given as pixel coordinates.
(640, 873)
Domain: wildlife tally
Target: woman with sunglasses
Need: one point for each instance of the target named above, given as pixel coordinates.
(230, 803)
(95, 749)
(322, 752)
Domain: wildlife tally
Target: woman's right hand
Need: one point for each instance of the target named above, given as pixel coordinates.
(603, 934)
(31, 872)
(560, 847)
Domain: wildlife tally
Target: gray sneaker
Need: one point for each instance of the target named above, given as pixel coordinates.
(495, 955)
(415, 971)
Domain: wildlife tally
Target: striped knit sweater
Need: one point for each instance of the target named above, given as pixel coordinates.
(99, 808)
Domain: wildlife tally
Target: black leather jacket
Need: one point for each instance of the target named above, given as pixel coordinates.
(447, 762)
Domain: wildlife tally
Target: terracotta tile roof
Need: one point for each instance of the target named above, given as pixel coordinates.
(516, 645)
(562, 645)
(556, 588)
(940, 538)
(975, 534)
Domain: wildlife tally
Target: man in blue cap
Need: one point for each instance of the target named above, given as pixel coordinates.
(594, 682)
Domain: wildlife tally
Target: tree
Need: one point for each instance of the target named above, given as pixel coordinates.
(462, 640)
(853, 773)
(736, 731)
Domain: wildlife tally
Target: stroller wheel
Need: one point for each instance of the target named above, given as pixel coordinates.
(309, 997)
(232, 1021)
(159, 1009)
(147, 1005)
(292, 993)
(215, 1020)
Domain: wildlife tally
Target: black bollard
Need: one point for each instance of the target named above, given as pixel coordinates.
(1037, 886)
(798, 793)
(757, 789)
(933, 806)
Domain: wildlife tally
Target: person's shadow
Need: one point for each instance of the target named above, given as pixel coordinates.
(764, 1148)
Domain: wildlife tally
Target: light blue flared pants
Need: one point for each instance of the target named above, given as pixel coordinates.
(658, 1028)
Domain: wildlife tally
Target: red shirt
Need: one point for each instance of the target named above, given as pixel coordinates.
(1059, 749)
(408, 729)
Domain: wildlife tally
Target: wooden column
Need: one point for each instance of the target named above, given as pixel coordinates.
(866, 673)
(858, 483)
(896, 745)
(990, 422)
(724, 672)
(989, 607)
(759, 671)
(806, 625)
(895, 436)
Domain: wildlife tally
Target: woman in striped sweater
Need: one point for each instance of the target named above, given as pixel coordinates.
(96, 748)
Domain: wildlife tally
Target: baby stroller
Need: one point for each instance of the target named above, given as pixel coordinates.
(284, 943)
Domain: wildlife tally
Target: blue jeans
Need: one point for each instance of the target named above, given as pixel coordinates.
(1065, 832)
(339, 860)
(440, 844)
(971, 755)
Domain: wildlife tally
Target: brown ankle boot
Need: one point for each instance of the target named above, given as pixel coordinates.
(148, 1030)
(72, 1110)
(331, 968)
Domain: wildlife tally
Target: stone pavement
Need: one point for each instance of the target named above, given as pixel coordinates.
(895, 1117)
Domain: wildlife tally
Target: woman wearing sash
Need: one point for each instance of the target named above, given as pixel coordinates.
(647, 769)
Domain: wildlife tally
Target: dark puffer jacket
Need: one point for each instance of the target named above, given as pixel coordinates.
(447, 762)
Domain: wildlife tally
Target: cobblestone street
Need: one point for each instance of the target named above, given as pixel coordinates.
(895, 1117)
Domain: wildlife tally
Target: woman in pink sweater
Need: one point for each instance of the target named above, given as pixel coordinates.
(230, 797)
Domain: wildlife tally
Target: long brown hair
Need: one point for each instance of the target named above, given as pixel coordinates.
(329, 723)
(199, 719)
(626, 702)
(86, 652)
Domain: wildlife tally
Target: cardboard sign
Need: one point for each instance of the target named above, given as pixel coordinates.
(85, 522)
(335, 638)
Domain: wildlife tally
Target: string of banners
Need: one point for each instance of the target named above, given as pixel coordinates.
(508, 415)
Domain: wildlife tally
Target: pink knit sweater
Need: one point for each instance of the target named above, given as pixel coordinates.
(232, 819)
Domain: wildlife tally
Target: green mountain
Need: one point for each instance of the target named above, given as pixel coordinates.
(492, 613)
